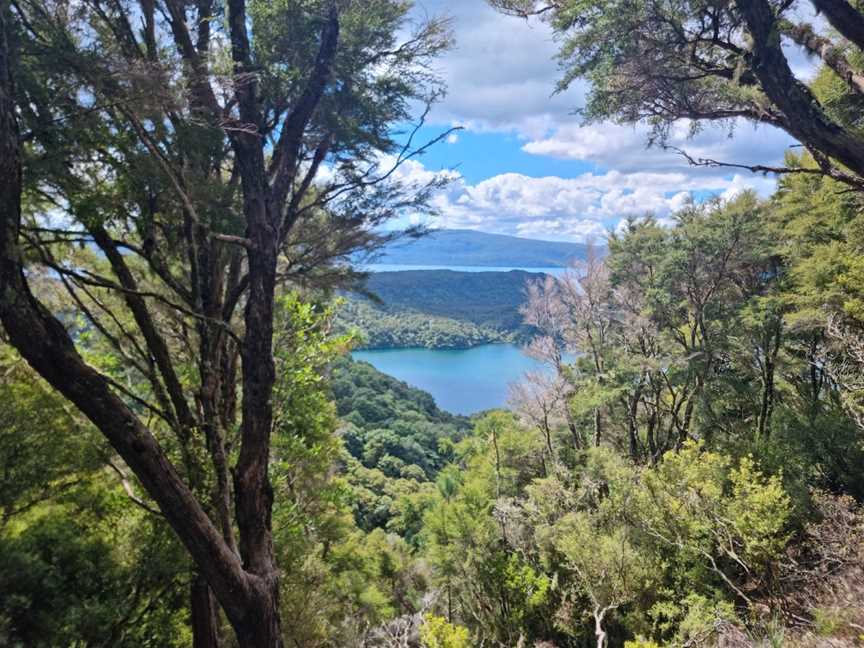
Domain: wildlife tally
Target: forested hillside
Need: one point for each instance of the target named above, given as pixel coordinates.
(473, 248)
(697, 446)
(190, 457)
(397, 442)
(439, 309)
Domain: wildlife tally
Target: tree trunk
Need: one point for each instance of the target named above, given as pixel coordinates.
(262, 628)
(845, 18)
(767, 405)
(598, 427)
(205, 615)
(599, 632)
(804, 117)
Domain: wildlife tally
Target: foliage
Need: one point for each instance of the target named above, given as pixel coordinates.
(662, 484)
(397, 439)
(77, 559)
(437, 632)
(462, 308)
(383, 328)
(33, 466)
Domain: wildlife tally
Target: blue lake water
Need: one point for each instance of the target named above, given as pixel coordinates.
(389, 267)
(461, 381)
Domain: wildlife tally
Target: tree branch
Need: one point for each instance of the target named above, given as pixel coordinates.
(831, 55)
(844, 18)
(285, 155)
(806, 120)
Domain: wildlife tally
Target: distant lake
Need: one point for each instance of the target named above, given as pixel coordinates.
(461, 381)
(389, 267)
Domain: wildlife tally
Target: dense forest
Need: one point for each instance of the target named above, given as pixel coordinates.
(443, 309)
(189, 457)
(381, 327)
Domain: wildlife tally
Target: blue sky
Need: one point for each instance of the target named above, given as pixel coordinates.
(525, 165)
(481, 155)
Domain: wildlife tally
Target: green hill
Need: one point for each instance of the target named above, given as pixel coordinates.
(470, 248)
(439, 308)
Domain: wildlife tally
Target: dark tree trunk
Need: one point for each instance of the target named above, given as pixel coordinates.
(845, 18)
(804, 118)
(205, 615)
(263, 627)
(598, 426)
(768, 389)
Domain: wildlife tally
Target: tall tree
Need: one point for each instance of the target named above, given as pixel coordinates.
(661, 62)
(180, 148)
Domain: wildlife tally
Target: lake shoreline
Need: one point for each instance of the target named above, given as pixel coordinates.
(462, 381)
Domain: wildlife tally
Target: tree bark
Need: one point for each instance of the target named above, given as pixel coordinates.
(832, 55)
(205, 615)
(844, 18)
(45, 344)
(805, 119)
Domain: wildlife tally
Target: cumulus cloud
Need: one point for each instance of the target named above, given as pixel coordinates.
(501, 72)
(501, 76)
(624, 147)
(584, 207)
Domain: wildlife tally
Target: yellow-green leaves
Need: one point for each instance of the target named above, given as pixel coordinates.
(437, 632)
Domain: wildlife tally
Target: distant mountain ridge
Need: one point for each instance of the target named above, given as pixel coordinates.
(455, 247)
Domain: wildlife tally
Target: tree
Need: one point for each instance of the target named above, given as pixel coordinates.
(662, 62)
(672, 330)
(822, 249)
(611, 575)
(79, 564)
(186, 152)
(34, 467)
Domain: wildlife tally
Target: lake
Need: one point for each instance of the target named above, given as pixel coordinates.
(461, 381)
(390, 267)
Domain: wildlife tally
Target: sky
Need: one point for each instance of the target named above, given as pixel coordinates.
(524, 164)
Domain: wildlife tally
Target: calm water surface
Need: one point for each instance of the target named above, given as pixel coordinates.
(389, 267)
(461, 381)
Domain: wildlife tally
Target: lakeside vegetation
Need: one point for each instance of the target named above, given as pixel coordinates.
(380, 327)
(443, 309)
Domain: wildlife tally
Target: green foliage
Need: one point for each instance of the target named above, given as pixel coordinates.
(714, 514)
(670, 548)
(613, 573)
(439, 309)
(397, 439)
(383, 328)
(33, 465)
(67, 575)
(437, 632)
(77, 560)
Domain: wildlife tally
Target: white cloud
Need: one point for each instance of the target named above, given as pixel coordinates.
(624, 147)
(584, 207)
(501, 72)
(501, 77)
